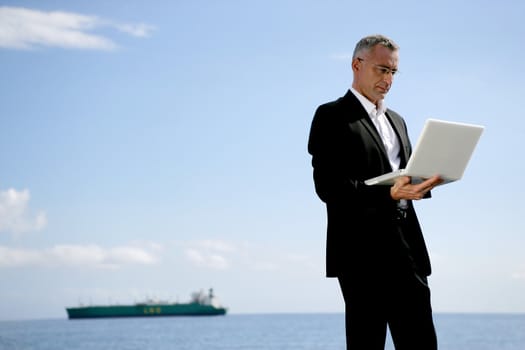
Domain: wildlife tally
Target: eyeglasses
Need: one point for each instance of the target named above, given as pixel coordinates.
(382, 69)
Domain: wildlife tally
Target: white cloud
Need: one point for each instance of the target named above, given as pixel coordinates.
(215, 245)
(222, 255)
(22, 28)
(15, 217)
(91, 255)
(210, 253)
(18, 257)
(76, 254)
(207, 259)
(140, 30)
(519, 274)
(130, 255)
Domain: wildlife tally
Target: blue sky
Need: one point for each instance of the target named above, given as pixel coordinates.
(154, 149)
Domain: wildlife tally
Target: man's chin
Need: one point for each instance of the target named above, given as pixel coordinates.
(380, 96)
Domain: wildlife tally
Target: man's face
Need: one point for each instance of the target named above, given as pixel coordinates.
(374, 72)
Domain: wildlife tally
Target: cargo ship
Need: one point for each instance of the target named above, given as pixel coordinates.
(201, 304)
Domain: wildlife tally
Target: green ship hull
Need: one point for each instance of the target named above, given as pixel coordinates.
(144, 310)
(200, 305)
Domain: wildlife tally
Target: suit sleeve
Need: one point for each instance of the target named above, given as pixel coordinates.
(338, 168)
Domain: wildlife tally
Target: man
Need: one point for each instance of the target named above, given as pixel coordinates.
(375, 246)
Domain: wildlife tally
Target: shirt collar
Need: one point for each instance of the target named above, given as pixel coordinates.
(372, 110)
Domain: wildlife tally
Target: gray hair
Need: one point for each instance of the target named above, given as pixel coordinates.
(368, 42)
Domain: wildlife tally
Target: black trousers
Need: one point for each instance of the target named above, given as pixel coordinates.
(399, 299)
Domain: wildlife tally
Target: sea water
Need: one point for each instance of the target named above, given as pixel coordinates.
(250, 332)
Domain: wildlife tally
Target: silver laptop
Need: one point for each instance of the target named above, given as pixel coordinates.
(444, 148)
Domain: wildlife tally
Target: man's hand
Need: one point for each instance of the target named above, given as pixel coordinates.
(403, 189)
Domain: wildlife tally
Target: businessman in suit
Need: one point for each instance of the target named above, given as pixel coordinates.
(375, 247)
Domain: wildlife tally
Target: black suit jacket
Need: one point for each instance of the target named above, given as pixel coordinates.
(362, 231)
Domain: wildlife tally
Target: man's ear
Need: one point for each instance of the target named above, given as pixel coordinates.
(356, 64)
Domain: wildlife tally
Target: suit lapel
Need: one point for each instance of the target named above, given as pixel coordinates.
(353, 105)
(402, 136)
(372, 130)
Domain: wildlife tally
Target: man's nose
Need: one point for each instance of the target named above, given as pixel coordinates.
(388, 77)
